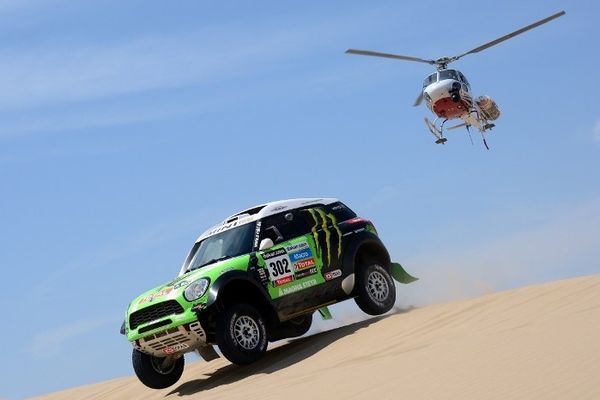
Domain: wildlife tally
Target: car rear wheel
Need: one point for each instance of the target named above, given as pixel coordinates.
(376, 293)
(241, 334)
(156, 372)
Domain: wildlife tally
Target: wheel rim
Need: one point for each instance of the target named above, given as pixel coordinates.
(377, 286)
(159, 365)
(246, 332)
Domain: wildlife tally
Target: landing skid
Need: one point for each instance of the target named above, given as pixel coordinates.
(435, 131)
(481, 124)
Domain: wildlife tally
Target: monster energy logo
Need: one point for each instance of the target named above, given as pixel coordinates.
(327, 236)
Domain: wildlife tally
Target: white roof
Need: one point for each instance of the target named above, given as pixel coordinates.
(264, 210)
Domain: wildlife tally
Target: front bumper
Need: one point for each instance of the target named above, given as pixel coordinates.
(172, 341)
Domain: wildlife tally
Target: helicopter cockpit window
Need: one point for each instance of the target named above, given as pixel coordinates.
(430, 79)
(448, 74)
(463, 78)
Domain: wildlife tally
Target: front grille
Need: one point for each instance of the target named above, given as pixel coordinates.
(154, 312)
(158, 324)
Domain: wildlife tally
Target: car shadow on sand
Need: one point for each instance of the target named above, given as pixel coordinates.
(276, 359)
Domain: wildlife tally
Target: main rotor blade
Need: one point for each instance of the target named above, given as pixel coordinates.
(512, 34)
(419, 100)
(388, 55)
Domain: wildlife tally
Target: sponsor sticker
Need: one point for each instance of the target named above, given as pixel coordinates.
(153, 296)
(274, 253)
(257, 233)
(279, 266)
(175, 348)
(336, 273)
(297, 246)
(227, 226)
(176, 282)
(301, 255)
(284, 280)
(306, 272)
(297, 287)
(304, 264)
(180, 284)
(262, 274)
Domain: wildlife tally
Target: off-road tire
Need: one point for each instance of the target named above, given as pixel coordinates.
(242, 334)
(375, 289)
(147, 369)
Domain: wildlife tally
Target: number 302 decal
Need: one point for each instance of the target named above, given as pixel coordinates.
(280, 267)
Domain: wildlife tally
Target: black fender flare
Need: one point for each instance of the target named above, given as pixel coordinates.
(363, 241)
(223, 280)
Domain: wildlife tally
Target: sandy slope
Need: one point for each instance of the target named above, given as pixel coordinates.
(538, 342)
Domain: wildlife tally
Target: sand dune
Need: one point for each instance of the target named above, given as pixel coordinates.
(536, 342)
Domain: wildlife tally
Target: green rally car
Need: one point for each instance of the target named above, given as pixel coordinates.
(256, 278)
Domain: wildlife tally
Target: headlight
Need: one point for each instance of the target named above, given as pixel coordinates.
(196, 289)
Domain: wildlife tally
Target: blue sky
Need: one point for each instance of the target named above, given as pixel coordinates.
(127, 128)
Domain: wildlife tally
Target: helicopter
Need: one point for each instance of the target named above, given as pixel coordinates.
(447, 92)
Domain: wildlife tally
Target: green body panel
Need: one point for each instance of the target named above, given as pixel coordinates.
(297, 282)
(174, 291)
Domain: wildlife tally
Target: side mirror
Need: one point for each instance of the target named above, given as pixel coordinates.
(266, 243)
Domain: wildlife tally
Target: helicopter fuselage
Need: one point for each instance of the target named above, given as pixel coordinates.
(447, 94)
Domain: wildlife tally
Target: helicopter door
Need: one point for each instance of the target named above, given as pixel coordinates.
(463, 79)
(430, 79)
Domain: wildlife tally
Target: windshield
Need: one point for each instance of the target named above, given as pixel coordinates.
(430, 79)
(448, 74)
(231, 243)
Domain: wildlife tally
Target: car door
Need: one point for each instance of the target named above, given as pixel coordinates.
(293, 264)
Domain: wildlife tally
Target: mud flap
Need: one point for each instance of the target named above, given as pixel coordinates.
(325, 314)
(208, 353)
(399, 274)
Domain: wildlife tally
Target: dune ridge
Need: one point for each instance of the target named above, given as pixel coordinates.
(535, 342)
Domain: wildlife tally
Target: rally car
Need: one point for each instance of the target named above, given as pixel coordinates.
(256, 278)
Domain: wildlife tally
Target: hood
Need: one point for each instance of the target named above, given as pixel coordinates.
(174, 289)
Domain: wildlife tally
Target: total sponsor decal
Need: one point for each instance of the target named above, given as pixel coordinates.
(300, 265)
(283, 281)
(336, 273)
(306, 272)
(175, 348)
(297, 287)
(153, 296)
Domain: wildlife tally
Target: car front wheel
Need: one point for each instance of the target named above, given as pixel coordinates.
(376, 293)
(156, 372)
(241, 334)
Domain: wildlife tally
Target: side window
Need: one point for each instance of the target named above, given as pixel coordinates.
(283, 227)
(340, 211)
